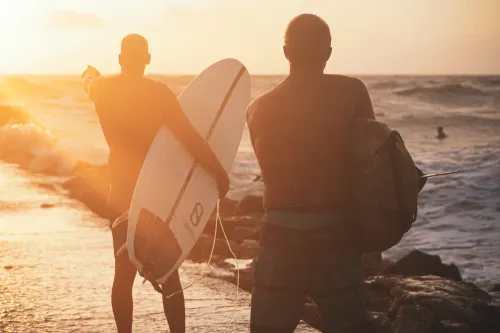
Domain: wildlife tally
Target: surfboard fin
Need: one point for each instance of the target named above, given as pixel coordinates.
(121, 250)
(122, 218)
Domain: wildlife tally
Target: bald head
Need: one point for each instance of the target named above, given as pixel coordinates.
(308, 40)
(134, 54)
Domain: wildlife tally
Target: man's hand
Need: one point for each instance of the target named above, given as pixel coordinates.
(89, 75)
(90, 71)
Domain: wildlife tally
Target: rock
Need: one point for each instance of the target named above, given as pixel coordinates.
(258, 178)
(372, 263)
(90, 185)
(414, 319)
(427, 304)
(15, 115)
(227, 207)
(245, 278)
(8, 267)
(241, 234)
(496, 288)
(46, 186)
(447, 326)
(238, 228)
(249, 249)
(418, 263)
(47, 205)
(249, 205)
(82, 166)
(203, 247)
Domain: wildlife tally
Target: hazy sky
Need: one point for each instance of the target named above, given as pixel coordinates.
(369, 36)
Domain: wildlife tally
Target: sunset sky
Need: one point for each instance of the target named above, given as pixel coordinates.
(369, 36)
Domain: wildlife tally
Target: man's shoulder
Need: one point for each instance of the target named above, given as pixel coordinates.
(348, 81)
(267, 97)
(157, 85)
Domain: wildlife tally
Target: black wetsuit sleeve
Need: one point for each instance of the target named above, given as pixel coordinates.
(364, 108)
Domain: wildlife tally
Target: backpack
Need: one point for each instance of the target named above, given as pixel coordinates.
(384, 185)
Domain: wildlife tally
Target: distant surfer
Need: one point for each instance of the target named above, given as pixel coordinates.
(441, 134)
(299, 133)
(131, 108)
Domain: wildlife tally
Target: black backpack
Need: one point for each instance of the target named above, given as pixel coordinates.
(385, 183)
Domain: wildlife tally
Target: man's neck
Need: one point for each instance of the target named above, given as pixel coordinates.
(132, 73)
(306, 71)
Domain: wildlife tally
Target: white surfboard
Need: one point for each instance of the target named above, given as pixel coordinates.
(174, 198)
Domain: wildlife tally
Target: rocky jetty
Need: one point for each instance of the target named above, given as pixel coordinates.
(416, 294)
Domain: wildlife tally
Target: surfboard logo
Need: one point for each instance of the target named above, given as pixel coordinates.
(196, 214)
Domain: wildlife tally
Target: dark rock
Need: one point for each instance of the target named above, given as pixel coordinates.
(83, 166)
(374, 264)
(258, 178)
(238, 228)
(90, 185)
(496, 288)
(15, 115)
(381, 322)
(249, 249)
(251, 204)
(418, 263)
(416, 305)
(203, 247)
(8, 267)
(241, 234)
(47, 205)
(46, 186)
(447, 326)
(227, 207)
(414, 319)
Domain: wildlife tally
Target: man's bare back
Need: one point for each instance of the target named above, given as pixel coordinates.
(305, 153)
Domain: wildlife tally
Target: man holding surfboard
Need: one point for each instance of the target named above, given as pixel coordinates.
(298, 131)
(131, 109)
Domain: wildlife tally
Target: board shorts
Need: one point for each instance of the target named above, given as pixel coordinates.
(294, 263)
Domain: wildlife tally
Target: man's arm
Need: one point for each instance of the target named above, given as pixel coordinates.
(182, 128)
(364, 107)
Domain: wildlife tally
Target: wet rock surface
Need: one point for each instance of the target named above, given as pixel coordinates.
(418, 263)
(416, 294)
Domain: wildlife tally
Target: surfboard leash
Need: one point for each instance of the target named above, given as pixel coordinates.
(219, 220)
(207, 264)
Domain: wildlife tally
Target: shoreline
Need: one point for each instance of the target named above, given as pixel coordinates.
(87, 190)
(56, 270)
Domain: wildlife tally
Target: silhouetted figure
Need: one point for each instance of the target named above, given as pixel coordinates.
(299, 133)
(131, 109)
(441, 134)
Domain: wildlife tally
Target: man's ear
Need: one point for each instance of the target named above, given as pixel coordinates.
(148, 59)
(285, 52)
(329, 54)
(120, 59)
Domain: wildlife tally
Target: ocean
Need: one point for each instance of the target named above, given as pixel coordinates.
(56, 256)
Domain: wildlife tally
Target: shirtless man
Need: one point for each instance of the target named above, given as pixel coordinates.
(299, 134)
(131, 108)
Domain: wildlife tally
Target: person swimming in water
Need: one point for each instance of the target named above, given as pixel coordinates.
(441, 134)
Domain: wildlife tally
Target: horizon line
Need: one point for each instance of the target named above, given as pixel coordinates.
(267, 74)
